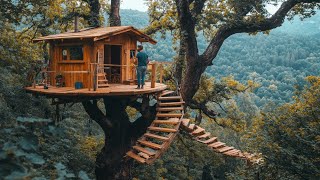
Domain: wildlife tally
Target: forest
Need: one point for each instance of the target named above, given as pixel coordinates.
(264, 88)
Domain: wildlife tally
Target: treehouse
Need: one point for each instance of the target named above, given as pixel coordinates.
(94, 61)
(98, 62)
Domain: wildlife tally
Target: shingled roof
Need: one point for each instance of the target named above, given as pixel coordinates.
(98, 34)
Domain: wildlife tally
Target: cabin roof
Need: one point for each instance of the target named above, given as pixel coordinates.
(98, 34)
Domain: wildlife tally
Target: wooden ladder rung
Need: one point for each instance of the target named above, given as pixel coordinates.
(173, 121)
(150, 144)
(205, 135)
(136, 157)
(159, 129)
(224, 149)
(168, 115)
(171, 104)
(166, 92)
(162, 138)
(209, 141)
(170, 109)
(141, 149)
(169, 98)
(216, 144)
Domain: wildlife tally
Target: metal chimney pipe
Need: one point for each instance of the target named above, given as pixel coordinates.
(76, 22)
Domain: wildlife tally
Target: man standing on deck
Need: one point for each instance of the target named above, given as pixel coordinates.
(142, 66)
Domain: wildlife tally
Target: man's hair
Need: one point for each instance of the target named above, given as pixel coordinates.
(140, 47)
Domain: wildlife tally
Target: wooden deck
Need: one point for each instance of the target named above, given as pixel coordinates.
(112, 90)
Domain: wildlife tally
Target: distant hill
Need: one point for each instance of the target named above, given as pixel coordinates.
(278, 61)
(309, 26)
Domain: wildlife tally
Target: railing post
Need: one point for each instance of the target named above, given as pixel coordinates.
(89, 77)
(161, 73)
(153, 75)
(95, 77)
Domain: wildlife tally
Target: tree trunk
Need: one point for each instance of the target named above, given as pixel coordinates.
(94, 17)
(115, 13)
(120, 134)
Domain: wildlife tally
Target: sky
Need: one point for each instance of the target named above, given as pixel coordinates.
(140, 5)
(134, 4)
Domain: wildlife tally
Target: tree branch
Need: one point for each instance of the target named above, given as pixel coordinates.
(96, 114)
(247, 26)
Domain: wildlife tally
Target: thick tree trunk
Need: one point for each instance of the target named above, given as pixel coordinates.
(115, 19)
(94, 17)
(120, 134)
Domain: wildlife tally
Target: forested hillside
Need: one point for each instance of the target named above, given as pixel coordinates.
(279, 62)
(265, 90)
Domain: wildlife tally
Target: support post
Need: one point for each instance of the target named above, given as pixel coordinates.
(95, 84)
(161, 73)
(153, 75)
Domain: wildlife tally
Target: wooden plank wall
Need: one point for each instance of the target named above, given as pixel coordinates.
(90, 50)
(59, 66)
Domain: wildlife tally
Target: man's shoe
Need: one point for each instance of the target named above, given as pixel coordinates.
(141, 87)
(138, 87)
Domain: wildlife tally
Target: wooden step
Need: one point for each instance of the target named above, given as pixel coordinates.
(185, 122)
(166, 92)
(162, 138)
(232, 152)
(225, 149)
(101, 74)
(170, 98)
(136, 157)
(173, 121)
(216, 144)
(159, 129)
(205, 135)
(141, 149)
(191, 127)
(102, 80)
(150, 144)
(209, 141)
(170, 109)
(169, 115)
(144, 155)
(103, 85)
(171, 104)
(199, 131)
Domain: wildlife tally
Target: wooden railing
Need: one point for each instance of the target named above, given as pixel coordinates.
(94, 68)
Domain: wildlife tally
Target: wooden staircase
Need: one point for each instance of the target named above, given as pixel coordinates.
(162, 131)
(165, 127)
(212, 142)
(102, 80)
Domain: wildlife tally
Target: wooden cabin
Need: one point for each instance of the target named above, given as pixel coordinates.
(94, 57)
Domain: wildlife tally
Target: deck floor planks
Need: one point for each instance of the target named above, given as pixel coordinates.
(112, 90)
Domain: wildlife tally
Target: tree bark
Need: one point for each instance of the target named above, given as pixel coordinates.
(94, 16)
(120, 133)
(115, 19)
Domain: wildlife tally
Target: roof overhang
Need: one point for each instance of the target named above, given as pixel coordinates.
(97, 34)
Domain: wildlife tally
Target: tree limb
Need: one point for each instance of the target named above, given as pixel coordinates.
(247, 26)
(96, 114)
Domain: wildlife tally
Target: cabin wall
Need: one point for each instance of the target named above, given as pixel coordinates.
(72, 70)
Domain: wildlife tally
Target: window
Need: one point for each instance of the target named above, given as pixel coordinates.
(132, 54)
(72, 53)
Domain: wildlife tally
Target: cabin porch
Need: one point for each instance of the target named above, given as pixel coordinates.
(49, 85)
(112, 90)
